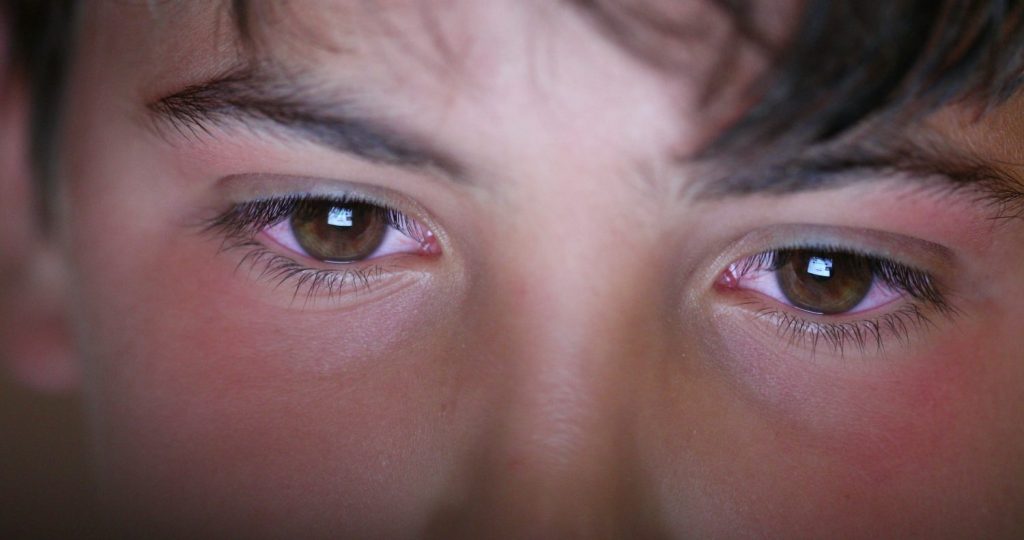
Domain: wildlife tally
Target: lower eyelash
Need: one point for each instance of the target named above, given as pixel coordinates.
(240, 226)
(862, 333)
(280, 270)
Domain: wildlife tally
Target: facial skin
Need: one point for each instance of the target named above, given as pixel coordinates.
(568, 363)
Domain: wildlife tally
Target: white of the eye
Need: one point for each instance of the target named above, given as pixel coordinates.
(820, 267)
(339, 217)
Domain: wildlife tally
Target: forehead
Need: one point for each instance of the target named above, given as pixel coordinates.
(434, 59)
(446, 44)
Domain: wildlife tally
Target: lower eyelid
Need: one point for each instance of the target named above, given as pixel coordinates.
(866, 334)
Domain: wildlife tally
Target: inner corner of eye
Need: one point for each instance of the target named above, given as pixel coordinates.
(729, 279)
(429, 243)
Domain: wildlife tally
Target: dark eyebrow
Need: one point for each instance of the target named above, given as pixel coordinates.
(925, 161)
(255, 99)
(261, 100)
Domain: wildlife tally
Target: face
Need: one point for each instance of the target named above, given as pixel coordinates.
(445, 268)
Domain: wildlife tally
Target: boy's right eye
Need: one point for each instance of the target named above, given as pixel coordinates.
(347, 232)
(322, 244)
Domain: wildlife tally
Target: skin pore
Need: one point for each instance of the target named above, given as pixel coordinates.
(567, 361)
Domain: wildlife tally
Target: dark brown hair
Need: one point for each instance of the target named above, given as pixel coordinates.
(844, 62)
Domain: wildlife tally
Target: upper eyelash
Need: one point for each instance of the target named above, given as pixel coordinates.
(919, 284)
(245, 220)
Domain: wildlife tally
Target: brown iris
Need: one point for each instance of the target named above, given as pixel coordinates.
(826, 283)
(333, 232)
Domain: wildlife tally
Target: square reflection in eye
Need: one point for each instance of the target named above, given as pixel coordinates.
(820, 267)
(340, 217)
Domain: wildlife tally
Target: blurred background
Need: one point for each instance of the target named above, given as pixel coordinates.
(45, 490)
(45, 486)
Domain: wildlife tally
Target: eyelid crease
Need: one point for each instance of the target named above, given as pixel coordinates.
(910, 251)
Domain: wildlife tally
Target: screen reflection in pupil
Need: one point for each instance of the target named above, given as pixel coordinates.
(338, 233)
(824, 283)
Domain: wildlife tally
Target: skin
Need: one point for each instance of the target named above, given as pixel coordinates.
(567, 366)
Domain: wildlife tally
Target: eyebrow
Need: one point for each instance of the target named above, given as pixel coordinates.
(913, 158)
(250, 98)
(259, 100)
(841, 165)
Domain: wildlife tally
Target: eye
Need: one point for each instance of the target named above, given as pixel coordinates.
(345, 232)
(323, 245)
(825, 281)
(835, 296)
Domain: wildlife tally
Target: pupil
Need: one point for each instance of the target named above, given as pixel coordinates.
(336, 233)
(825, 283)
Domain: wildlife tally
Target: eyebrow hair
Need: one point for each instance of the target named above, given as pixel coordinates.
(842, 164)
(259, 100)
(923, 160)
(252, 98)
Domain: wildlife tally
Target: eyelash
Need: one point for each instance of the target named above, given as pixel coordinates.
(240, 225)
(925, 296)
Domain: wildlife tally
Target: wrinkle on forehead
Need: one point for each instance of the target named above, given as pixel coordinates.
(457, 41)
(450, 51)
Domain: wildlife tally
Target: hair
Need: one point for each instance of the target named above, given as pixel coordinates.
(844, 62)
(41, 36)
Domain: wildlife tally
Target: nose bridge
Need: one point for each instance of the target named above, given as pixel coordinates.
(575, 327)
(576, 331)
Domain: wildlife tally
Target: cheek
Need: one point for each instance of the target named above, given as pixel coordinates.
(918, 436)
(904, 398)
(215, 398)
(204, 390)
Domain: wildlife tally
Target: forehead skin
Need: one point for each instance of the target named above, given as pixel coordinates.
(454, 50)
(564, 368)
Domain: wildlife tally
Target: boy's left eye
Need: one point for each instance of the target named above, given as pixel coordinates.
(347, 232)
(825, 282)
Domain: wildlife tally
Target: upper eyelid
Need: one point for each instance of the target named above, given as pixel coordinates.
(909, 251)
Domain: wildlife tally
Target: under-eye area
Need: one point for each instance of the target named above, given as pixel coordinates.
(321, 245)
(836, 298)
